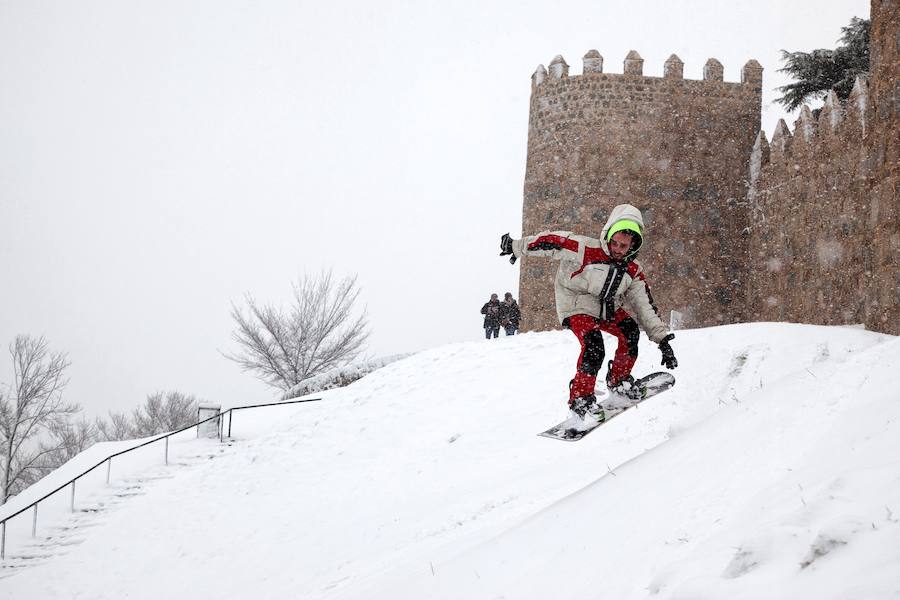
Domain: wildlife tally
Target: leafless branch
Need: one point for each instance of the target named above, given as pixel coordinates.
(32, 404)
(160, 413)
(316, 333)
(118, 427)
(164, 411)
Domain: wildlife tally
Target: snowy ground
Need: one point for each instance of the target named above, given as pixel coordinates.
(771, 470)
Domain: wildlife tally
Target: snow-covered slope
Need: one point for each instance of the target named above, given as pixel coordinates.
(771, 470)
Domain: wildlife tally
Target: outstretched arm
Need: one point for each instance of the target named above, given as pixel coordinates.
(560, 245)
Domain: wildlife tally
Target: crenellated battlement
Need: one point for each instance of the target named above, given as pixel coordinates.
(838, 127)
(815, 193)
(633, 66)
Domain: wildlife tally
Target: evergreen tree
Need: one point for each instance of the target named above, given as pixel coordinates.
(821, 70)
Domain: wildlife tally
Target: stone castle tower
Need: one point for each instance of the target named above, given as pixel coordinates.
(677, 149)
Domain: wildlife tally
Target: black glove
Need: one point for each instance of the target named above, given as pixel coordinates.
(506, 248)
(668, 355)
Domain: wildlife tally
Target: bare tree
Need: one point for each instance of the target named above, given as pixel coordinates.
(316, 333)
(69, 439)
(31, 404)
(162, 412)
(117, 428)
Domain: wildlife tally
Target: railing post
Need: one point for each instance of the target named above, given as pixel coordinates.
(230, 415)
(3, 541)
(167, 450)
(34, 522)
(108, 469)
(72, 502)
(221, 422)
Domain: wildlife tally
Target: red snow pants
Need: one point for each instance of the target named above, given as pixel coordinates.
(588, 331)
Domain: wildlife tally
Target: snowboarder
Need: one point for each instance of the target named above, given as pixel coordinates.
(600, 287)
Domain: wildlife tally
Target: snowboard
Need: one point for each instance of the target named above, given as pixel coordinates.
(575, 428)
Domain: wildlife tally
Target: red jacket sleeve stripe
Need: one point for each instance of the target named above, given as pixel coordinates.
(553, 242)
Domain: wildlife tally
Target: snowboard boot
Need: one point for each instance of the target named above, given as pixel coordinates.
(625, 387)
(587, 407)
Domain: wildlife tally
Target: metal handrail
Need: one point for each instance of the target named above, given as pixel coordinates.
(108, 461)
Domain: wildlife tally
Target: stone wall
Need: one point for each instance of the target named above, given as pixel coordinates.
(884, 144)
(825, 212)
(805, 228)
(809, 216)
(884, 52)
(677, 149)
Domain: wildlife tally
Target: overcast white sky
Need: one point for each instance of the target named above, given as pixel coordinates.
(160, 159)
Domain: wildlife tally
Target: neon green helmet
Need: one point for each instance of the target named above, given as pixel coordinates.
(623, 225)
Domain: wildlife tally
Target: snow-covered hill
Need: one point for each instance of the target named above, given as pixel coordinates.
(771, 470)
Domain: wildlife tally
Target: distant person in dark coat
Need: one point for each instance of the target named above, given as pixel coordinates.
(491, 312)
(509, 314)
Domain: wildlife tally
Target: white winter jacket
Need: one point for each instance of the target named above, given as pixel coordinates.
(590, 282)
